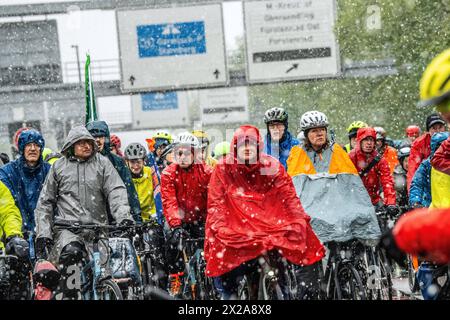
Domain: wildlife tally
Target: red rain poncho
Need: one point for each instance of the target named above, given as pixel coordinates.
(252, 209)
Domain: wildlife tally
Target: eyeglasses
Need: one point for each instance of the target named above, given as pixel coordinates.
(277, 125)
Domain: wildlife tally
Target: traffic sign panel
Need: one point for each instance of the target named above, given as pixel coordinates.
(172, 48)
(290, 39)
(150, 110)
(224, 105)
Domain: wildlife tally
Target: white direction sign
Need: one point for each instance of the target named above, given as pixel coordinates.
(159, 109)
(172, 48)
(225, 105)
(290, 39)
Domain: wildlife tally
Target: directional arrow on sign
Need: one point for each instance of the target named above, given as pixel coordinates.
(216, 73)
(131, 79)
(294, 66)
(170, 29)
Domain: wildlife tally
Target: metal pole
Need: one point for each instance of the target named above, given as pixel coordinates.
(78, 62)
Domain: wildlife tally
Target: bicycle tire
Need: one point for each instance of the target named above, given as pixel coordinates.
(147, 277)
(335, 287)
(244, 292)
(109, 290)
(347, 274)
(412, 281)
(293, 283)
(387, 293)
(381, 288)
(269, 289)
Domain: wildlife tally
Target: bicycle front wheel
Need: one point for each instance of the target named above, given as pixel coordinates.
(350, 283)
(269, 289)
(109, 290)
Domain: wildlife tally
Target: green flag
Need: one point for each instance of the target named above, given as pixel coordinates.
(91, 108)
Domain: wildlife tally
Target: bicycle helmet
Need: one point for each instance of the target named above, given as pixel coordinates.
(381, 133)
(188, 139)
(313, 119)
(202, 138)
(353, 128)
(135, 151)
(222, 149)
(275, 115)
(403, 152)
(435, 82)
(163, 135)
(412, 130)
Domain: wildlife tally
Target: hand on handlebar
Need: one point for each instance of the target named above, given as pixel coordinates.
(178, 236)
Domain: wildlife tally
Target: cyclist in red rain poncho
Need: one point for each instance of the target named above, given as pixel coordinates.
(253, 209)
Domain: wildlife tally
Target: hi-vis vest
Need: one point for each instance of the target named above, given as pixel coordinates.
(332, 160)
(440, 189)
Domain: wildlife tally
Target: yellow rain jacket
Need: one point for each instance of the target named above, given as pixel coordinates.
(144, 189)
(10, 217)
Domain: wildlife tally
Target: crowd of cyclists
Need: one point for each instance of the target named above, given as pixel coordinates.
(251, 198)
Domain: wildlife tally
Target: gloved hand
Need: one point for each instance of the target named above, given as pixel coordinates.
(416, 206)
(126, 223)
(387, 242)
(393, 211)
(178, 234)
(42, 247)
(17, 246)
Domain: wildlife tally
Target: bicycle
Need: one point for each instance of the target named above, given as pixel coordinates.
(270, 276)
(344, 271)
(196, 286)
(150, 259)
(96, 284)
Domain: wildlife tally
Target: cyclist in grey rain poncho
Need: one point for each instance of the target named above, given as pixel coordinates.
(77, 190)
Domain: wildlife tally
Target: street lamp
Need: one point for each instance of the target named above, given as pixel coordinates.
(74, 46)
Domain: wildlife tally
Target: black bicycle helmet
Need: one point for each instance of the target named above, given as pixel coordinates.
(275, 115)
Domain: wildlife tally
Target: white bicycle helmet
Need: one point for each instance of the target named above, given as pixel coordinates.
(313, 119)
(381, 133)
(187, 138)
(275, 115)
(135, 151)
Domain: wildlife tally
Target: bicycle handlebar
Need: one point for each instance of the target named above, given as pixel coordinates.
(79, 226)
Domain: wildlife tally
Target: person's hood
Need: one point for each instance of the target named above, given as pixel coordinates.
(437, 139)
(243, 133)
(76, 134)
(362, 134)
(30, 136)
(100, 128)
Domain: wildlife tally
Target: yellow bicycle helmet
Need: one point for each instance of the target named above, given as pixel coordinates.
(435, 83)
(202, 137)
(354, 126)
(163, 135)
